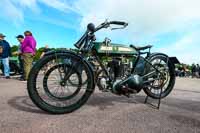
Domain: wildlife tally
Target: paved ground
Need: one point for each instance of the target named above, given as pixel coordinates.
(104, 112)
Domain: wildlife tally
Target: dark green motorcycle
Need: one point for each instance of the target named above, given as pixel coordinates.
(62, 81)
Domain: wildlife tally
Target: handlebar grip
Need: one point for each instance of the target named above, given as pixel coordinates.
(80, 42)
(118, 23)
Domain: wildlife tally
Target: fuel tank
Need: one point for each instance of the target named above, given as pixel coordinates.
(113, 49)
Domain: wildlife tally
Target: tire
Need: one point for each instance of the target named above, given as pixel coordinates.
(171, 81)
(82, 72)
(39, 99)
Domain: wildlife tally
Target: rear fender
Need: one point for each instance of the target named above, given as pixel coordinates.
(161, 54)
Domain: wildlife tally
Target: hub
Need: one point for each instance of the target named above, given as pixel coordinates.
(63, 83)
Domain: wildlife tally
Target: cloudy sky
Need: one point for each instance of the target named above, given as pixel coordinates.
(172, 26)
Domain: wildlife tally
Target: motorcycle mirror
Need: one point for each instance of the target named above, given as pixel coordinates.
(91, 27)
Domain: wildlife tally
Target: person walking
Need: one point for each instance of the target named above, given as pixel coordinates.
(28, 49)
(193, 70)
(20, 38)
(5, 53)
(198, 70)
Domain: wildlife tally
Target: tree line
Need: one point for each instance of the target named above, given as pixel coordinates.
(39, 51)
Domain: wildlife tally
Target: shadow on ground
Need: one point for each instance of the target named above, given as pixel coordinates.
(23, 103)
(104, 101)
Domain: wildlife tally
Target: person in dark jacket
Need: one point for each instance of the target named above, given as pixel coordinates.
(198, 70)
(20, 38)
(6, 52)
(193, 70)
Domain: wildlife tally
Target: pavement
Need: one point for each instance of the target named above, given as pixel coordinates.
(104, 112)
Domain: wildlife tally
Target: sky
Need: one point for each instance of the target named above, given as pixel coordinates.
(172, 26)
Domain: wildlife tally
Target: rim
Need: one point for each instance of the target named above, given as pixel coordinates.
(161, 80)
(48, 92)
(59, 85)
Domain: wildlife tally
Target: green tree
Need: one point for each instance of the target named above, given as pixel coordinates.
(14, 48)
(38, 53)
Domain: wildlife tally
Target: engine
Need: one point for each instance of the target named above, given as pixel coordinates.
(125, 82)
(131, 84)
(119, 68)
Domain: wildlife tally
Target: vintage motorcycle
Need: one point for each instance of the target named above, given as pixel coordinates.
(70, 76)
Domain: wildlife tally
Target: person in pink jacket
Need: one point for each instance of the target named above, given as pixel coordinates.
(28, 49)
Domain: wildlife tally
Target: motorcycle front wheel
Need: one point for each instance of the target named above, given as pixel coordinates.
(49, 84)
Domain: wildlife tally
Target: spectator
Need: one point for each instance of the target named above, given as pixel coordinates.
(198, 71)
(20, 38)
(5, 52)
(28, 49)
(193, 70)
(181, 71)
(45, 50)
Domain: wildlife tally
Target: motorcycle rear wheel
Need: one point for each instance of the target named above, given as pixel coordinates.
(168, 83)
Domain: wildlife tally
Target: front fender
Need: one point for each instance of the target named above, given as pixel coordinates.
(73, 53)
(58, 51)
(68, 52)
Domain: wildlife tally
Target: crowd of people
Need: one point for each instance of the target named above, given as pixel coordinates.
(188, 71)
(195, 71)
(26, 52)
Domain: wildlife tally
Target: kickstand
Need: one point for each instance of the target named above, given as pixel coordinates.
(159, 100)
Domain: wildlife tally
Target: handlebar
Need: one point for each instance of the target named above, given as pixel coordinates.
(119, 23)
(84, 39)
(107, 24)
(79, 43)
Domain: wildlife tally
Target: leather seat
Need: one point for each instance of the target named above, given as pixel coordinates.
(141, 48)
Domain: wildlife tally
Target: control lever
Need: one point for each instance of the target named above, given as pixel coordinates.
(117, 28)
(124, 26)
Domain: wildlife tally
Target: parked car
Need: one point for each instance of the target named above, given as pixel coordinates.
(14, 66)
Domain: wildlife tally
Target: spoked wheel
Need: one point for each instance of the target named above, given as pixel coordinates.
(73, 82)
(51, 89)
(162, 82)
(55, 85)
